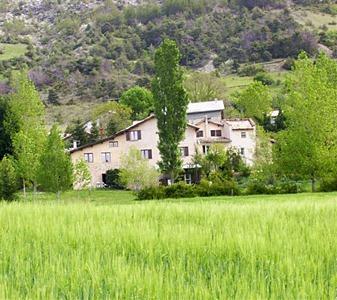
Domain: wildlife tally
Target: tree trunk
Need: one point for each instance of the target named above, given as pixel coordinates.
(313, 185)
(35, 189)
(58, 194)
(24, 187)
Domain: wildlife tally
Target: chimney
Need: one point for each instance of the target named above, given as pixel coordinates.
(75, 144)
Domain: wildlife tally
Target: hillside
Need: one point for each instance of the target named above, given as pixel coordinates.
(91, 51)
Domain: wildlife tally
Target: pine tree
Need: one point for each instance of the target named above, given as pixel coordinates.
(94, 133)
(170, 105)
(55, 172)
(53, 97)
(79, 134)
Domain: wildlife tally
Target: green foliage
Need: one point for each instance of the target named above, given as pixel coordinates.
(26, 125)
(136, 172)
(255, 101)
(55, 172)
(53, 97)
(250, 70)
(170, 105)
(180, 190)
(256, 186)
(113, 116)
(204, 87)
(328, 184)
(264, 78)
(307, 148)
(94, 132)
(113, 179)
(78, 133)
(6, 145)
(8, 179)
(140, 100)
(82, 175)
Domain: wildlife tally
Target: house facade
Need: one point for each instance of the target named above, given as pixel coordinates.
(200, 134)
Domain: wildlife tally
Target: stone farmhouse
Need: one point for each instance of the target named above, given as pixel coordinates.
(206, 126)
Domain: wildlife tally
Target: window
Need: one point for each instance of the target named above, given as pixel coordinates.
(146, 153)
(242, 151)
(113, 144)
(106, 157)
(188, 178)
(89, 157)
(243, 134)
(133, 135)
(184, 151)
(200, 133)
(205, 149)
(216, 132)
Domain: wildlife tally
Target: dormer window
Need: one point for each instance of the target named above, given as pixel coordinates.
(216, 133)
(133, 135)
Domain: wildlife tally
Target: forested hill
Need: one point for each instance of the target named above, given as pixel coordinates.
(92, 50)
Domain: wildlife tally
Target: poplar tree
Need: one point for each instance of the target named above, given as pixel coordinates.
(26, 124)
(170, 105)
(55, 172)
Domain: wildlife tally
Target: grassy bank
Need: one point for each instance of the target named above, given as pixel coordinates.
(110, 246)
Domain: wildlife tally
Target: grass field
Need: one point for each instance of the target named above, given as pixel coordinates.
(10, 51)
(108, 246)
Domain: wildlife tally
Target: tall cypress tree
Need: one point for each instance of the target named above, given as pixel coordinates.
(170, 105)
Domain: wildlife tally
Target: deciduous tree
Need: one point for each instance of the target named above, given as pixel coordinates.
(8, 179)
(140, 100)
(55, 172)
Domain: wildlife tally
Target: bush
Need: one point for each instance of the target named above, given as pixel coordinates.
(250, 70)
(180, 190)
(256, 186)
(8, 180)
(218, 188)
(328, 184)
(113, 179)
(264, 78)
(151, 193)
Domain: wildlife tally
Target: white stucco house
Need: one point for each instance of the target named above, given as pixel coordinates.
(206, 126)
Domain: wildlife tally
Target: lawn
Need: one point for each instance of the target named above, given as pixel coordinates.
(108, 246)
(316, 19)
(9, 51)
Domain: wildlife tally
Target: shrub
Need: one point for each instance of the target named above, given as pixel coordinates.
(8, 179)
(113, 179)
(180, 190)
(264, 78)
(218, 188)
(250, 70)
(256, 186)
(151, 193)
(328, 184)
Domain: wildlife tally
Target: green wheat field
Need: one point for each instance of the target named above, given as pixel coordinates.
(108, 246)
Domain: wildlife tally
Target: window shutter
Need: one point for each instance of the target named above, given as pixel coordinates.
(186, 151)
(139, 134)
(150, 154)
(128, 136)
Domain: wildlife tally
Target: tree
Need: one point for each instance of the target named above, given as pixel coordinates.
(136, 172)
(170, 105)
(113, 116)
(8, 179)
(255, 101)
(307, 148)
(140, 100)
(55, 173)
(26, 125)
(204, 87)
(78, 133)
(94, 132)
(82, 176)
(53, 97)
(6, 145)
